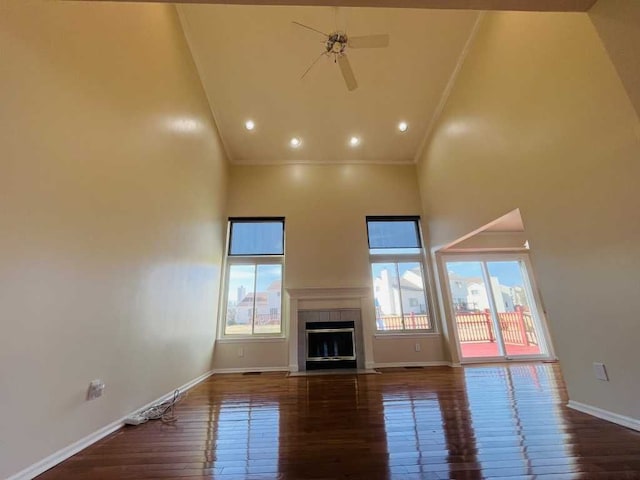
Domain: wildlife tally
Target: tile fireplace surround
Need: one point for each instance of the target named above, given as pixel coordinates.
(330, 299)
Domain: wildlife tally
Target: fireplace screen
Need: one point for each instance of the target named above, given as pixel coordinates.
(330, 344)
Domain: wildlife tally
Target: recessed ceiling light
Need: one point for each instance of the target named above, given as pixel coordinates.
(295, 142)
(249, 125)
(402, 126)
(354, 141)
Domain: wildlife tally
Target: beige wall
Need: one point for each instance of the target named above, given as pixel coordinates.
(326, 239)
(325, 209)
(111, 219)
(401, 350)
(618, 24)
(539, 120)
(243, 355)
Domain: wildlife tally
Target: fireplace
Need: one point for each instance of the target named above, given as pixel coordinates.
(330, 345)
(332, 316)
(330, 339)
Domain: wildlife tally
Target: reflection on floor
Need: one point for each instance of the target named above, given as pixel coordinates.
(336, 371)
(433, 423)
(490, 349)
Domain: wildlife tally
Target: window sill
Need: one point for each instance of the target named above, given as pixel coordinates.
(406, 334)
(251, 340)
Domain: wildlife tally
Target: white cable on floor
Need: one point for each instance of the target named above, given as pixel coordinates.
(163, 411)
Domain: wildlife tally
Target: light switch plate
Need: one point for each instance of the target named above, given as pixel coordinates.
(600, 371)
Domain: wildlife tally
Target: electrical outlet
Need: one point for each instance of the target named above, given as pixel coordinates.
(600, 371)
(241, 351)
(418, 347)
(96, 388)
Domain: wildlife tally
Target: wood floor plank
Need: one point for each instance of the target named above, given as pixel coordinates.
(499, 422)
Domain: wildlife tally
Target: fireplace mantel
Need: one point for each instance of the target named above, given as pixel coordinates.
(330, 298)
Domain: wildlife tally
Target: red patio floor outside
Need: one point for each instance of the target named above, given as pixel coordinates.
(490, 349)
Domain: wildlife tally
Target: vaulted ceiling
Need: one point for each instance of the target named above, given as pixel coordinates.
(251, 58)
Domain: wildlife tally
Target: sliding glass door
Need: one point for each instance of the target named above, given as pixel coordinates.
(496, 313)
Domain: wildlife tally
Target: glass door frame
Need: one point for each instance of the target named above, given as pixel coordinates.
(532, 293)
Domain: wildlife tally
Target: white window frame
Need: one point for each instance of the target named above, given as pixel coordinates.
(417, 257)
(532, 292)
(255, 260)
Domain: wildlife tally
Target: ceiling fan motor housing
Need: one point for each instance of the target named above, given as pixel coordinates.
(336, 43)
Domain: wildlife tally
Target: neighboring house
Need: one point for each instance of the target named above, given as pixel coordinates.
(388, 295)
(519, 296)
(242, 292)
(413, 296)
(476, 295)
(459, 291)
(274, 303)
(267, 305)
(244, 309)
(470, 294)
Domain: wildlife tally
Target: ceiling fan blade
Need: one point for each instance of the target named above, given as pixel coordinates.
(369, 41)
(340, 17)
(311, 66)
(347, 72)
(310, 28)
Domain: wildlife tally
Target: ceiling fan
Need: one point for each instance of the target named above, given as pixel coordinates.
(335, 45)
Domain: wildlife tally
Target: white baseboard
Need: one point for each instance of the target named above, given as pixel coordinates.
(623, 420)
(61, 455)
(68, 451)
(412, 364)
(218, 371)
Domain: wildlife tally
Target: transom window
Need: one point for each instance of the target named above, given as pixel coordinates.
(395, 252)
(254, 277)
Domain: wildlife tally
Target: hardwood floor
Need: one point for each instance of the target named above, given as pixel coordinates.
(433, 423)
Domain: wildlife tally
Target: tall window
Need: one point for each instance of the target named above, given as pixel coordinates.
(254, 276)
(395, 251)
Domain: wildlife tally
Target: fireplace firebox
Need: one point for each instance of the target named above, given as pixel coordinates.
(330, 345)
